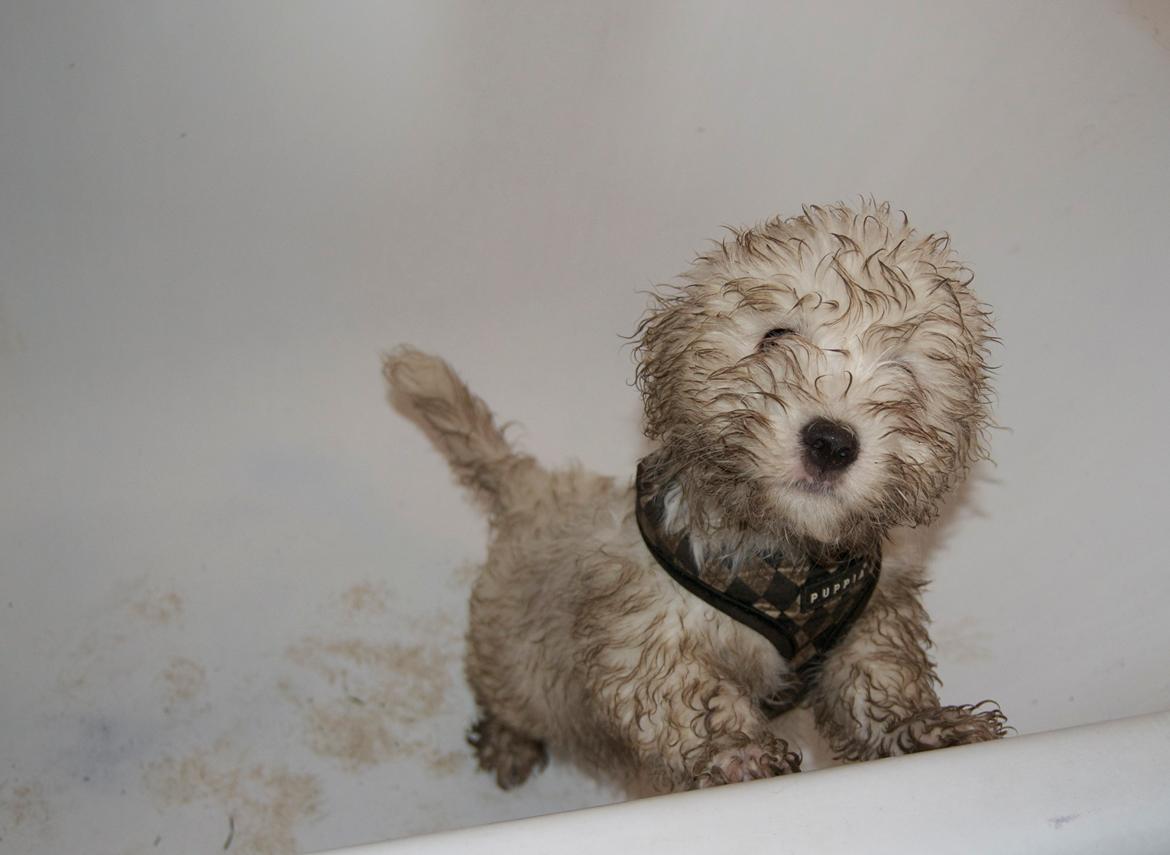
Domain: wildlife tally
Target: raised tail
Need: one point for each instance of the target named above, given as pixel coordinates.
(426, 390)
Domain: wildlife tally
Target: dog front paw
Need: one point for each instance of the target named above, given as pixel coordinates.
(944, 727)
(747, 763)
(512, 756)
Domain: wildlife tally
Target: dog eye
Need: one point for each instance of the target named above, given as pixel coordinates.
(773, 334)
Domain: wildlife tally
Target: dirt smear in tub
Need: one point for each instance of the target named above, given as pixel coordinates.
(182, 681)
(158, 607)
(378, 699)
(366, 598)
(23, 808)
(262, 805)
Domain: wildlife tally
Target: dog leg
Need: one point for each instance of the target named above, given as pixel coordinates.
(875, 696)
(724, 739)
(689, 728)
(500, 749)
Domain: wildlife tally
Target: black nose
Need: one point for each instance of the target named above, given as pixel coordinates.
(828, 446)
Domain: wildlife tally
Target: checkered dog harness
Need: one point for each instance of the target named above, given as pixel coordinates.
(802, 608)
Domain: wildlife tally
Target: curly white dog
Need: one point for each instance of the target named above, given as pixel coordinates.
(814, 383)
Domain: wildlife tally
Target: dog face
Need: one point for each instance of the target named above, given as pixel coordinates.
(826, 373)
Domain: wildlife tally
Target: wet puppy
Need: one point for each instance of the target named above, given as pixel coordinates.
(811, 385)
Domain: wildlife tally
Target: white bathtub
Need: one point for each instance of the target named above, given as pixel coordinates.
(234, 581)
(1095, 788)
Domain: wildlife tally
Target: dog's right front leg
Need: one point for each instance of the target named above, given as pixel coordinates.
(690, 727)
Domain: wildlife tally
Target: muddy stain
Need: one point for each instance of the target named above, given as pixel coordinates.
(365, 598)
(23, 807)
(183, 680)
(448, 762)
(262, 805)
(110, 630)
(158, 607)
(442, 626)
(380, 695)
(357, 737)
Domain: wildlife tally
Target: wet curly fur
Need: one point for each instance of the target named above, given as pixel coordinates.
(580, 642)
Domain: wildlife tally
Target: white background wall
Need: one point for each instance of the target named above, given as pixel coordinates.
(232, 581)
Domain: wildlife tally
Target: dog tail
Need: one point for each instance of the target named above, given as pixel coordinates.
(426, 390)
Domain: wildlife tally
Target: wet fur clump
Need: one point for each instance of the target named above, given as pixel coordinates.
(580, 643)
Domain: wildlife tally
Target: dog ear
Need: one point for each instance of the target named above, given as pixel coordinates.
(665, 340)
(968, 395)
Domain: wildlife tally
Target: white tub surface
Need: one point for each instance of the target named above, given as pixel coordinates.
(1090, 789)
(233, 582)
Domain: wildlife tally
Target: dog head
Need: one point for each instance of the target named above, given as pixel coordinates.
(824, 376)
